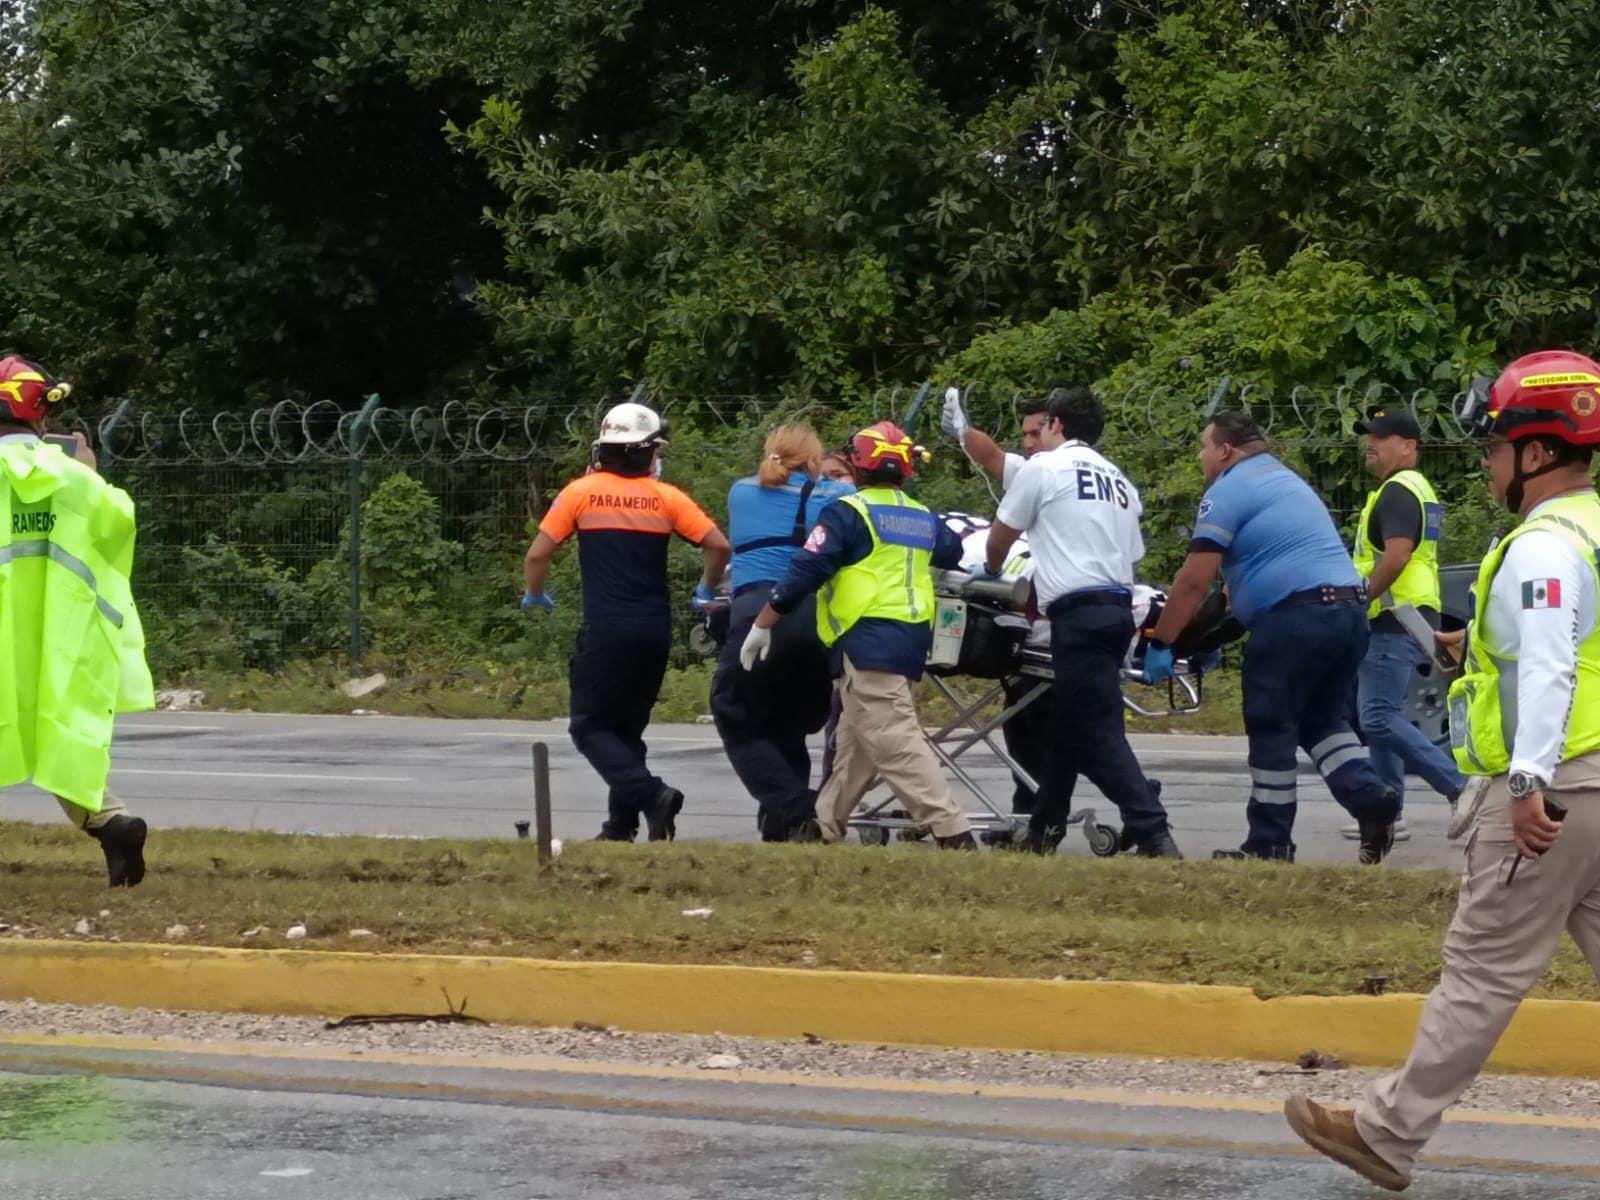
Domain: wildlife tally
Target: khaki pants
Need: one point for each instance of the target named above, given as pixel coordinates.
(88, 821)
(881, 735)
(1500, 941)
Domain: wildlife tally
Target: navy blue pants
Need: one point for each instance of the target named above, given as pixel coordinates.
(1088, 736)
(1028, 736)
(763, 716)
(1299, 678)
(615, 675)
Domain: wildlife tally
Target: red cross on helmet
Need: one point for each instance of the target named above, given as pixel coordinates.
(1554, 393)
(26, 390)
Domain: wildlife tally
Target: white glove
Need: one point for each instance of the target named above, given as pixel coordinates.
(756, 644)
(955, 421)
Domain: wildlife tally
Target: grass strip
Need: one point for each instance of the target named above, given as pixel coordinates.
(1280, 930)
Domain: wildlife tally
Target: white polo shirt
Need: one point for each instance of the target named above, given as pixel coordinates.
(1081, 515)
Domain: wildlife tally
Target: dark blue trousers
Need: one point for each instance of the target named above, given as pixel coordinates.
(1088, 736)
(1299, 676)
(615, 676)
(764, 715)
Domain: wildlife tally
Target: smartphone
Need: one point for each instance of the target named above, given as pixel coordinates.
(66, 441)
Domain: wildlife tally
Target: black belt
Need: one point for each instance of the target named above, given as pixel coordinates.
(1118, 596)
(1327, 594)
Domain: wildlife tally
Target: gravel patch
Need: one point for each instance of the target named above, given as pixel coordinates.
(820, 1059)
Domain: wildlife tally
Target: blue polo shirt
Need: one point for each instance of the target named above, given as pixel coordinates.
(762, 520)
(1275, 535)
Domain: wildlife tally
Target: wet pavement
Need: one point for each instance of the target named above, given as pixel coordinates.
(415, 776)
(74, 1124)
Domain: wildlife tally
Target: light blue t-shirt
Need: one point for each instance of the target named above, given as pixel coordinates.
(761, 523)
(1275, 535)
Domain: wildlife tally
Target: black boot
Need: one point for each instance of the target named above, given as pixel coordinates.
(661, 817)
(1376, 835)
(958, 841)
(122, 840)
(1377, 839)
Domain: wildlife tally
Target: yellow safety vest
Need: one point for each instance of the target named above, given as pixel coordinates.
(894, 581)
(1480, 735)
(1418, 584)
(71, 645)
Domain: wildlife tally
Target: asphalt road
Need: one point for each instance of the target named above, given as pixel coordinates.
(412, 776)
(130, 1126)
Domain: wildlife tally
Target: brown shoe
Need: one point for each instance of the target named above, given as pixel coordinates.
(1333, 1132)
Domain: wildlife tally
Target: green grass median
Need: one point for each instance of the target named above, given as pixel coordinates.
(1278, 929)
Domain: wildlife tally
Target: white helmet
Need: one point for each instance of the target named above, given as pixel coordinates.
(632, 425)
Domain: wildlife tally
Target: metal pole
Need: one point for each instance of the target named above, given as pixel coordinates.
(541, 799)
(358, 442)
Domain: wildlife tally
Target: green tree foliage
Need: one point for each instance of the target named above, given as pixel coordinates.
(222, 202)
(826, 241)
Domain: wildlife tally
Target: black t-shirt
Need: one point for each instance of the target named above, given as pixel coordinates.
(1398, 513)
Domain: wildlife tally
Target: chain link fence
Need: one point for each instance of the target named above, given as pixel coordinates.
(305, 530)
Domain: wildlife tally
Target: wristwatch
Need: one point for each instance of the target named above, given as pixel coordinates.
(1521, 784)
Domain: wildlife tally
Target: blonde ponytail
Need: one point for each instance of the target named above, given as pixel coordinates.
(788, 448)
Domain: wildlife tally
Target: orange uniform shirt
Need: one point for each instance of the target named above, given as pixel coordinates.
(624, 524)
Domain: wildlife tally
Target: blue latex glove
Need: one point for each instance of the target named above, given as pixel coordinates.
(1157, 664)
(981, 571)
(542, 600)
(1207, 662)
(704, 598)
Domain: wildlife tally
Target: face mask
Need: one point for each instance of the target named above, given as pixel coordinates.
(655, 469)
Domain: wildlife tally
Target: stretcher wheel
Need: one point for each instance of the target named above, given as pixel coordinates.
(873, 836)
(1104, 840)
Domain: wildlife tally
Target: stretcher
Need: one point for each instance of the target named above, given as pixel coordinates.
(982, 639)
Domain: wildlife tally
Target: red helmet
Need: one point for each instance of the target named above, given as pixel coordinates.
(885, 445)
(25, 389)
(1555, 393)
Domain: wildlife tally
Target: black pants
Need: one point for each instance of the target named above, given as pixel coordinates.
(1087, 645)
(615, 676)
(1027, 736)
(764, 715)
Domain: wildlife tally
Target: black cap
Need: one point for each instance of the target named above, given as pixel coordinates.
(1387, 422)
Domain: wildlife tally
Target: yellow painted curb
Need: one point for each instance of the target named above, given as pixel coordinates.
(1548, 1037)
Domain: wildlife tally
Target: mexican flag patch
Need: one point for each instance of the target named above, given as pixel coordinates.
(1541, 593)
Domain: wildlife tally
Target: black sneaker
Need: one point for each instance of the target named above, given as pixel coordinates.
(661, 818)
(1281, 854)
(610, 833)
(1038, 841)
(1160, 845)
(958, 841)
(1377, 839)
(122, 840)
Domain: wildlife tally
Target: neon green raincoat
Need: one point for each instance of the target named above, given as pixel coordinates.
(71, 645)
